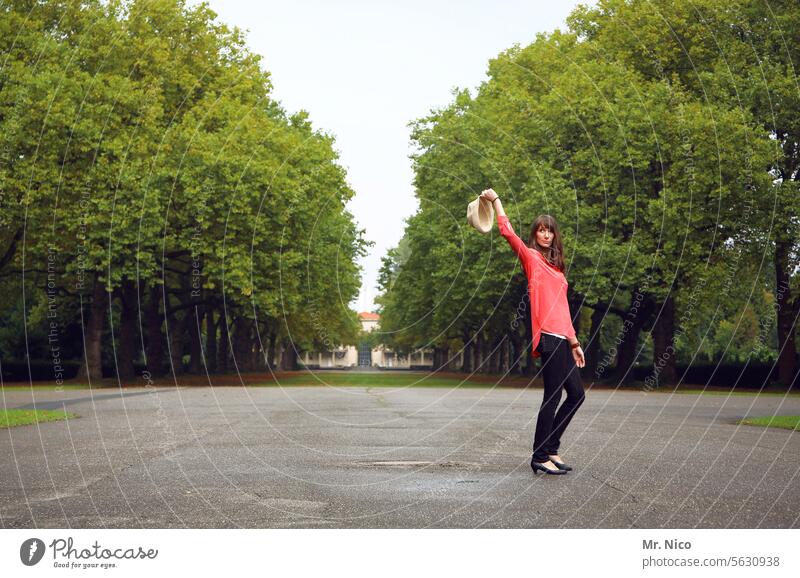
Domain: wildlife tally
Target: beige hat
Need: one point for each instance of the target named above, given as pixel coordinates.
(480, 214)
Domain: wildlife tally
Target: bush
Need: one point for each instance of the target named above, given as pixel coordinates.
(40, 370)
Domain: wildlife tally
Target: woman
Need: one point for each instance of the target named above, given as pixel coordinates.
(553, 335)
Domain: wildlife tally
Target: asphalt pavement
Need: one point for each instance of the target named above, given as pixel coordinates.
(325, 457)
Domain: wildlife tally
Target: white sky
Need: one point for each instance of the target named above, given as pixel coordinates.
(364, 69)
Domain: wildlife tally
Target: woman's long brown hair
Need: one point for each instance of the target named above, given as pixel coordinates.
(555, 252)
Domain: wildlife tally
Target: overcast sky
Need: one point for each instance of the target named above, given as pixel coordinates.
(364, 69)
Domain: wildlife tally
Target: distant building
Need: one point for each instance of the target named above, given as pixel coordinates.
(362, 355)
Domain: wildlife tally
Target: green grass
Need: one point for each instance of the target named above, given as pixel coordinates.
(373, 380)
(14, 417)
(718, 392)
(791, 422)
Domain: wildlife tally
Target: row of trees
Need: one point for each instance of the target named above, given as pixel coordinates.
(157, 201)
(664, 136)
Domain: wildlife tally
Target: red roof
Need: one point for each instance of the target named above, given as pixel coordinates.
(366, 316)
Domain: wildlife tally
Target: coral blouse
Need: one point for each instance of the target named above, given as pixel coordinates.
(547, 288)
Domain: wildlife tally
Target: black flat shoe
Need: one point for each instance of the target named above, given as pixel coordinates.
(539, 467)
(561, 465)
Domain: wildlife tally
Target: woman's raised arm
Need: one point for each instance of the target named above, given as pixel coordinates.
(520, 248)
(492, 197)
(507, 231)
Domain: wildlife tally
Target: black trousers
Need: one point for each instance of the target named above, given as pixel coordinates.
(559, 372)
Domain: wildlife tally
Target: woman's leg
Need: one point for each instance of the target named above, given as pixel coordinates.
(575, 396)
(553, 374)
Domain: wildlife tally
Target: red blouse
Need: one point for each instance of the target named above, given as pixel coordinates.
(547, 288)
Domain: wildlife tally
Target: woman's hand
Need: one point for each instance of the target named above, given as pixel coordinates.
(577, 355)
(489, 195)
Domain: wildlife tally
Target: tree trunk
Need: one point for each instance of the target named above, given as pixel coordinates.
(517, 353)
(637, 316)
(288, 355)
(498, 354)
(664, 370)
(273, 338)
(176, 329)
(592, 352)
(495, 355)
(211, 340)
(575, 312)
(236, 343)
(259, 345)
(155, 342)
(194, 327)
(466, 363)
(243, 344)
(530, 366)
(488, 355)
(128, 298)
(92, 367)
(476, 366)
(256, 359)
(279, 353)
(785, 310)
(479, 353)
(505, 354)
(224, 341)
(508, 354)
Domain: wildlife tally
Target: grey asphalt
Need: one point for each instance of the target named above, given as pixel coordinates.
(324, 457)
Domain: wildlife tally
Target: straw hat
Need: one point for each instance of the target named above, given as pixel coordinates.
(480, 214)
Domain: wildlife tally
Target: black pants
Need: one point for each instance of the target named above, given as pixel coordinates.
(559, 372)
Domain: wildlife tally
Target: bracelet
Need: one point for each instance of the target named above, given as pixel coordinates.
(575, 345)
(495, 199)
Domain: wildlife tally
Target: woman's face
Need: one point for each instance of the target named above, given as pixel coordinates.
(544, 236)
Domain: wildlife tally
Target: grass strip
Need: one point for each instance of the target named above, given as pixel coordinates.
(16, 417)
(791, 422)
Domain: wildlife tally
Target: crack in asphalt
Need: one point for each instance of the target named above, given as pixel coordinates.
(622, 491)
